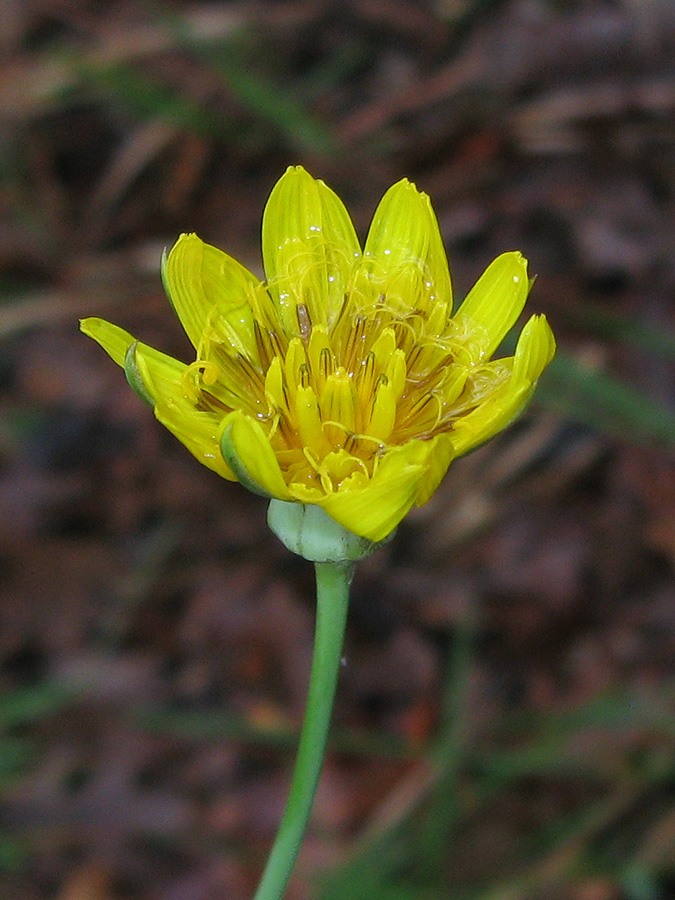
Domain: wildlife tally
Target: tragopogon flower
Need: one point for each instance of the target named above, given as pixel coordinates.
(344, 379)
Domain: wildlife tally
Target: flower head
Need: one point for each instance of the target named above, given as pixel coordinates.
(344, 379)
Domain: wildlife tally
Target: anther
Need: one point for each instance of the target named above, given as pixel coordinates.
(325, 362)
(304, 321)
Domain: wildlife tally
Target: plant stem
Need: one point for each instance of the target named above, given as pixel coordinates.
(332, 589)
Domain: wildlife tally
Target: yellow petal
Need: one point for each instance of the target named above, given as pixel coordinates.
(439, 458)
(162, 375)
(405, 230)
(253, 449)
(198, 277)
(121, 347)
(383, 416)
(495, 301)
(373, 510)
(309, 247)
(338, 404)
(274, 386)
(396, 372)
(490, 418)
(305, 493)
(198, 430)
(308, 421)
(384, 346)
(114, 340)
(320, 355)
(534, 351)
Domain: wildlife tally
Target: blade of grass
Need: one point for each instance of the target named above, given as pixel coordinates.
(369, 873)
(639, 884)
(406, 844)
(552, 740)
(148, 98)
(275, 104)
(449, 752)
(39, 82)
(375, 869)
(271, 103)
(565, 849)
(625, 329)
(26, 705)
(605, 403)
(14, 853)
(217, 726)
(15, 755)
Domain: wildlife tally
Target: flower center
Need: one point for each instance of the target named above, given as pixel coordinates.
(335, 396)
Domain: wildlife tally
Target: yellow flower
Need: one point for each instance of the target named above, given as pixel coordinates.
(344, 380)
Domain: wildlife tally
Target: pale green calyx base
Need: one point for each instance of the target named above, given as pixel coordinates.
(311, 533)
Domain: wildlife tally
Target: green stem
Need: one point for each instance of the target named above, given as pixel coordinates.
(332, 589)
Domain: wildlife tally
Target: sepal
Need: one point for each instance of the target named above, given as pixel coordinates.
(134, 377)
(233, 460)
(311, 533)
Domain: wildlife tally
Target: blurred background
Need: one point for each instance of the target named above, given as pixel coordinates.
(505, 725)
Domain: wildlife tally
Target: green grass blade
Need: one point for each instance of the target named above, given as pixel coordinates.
(605, 403)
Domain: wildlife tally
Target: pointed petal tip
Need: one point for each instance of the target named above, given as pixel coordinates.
(513, 258)
(297, 173)
(186, 237)
(114, 340)
(406, 189)
(536, 347)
